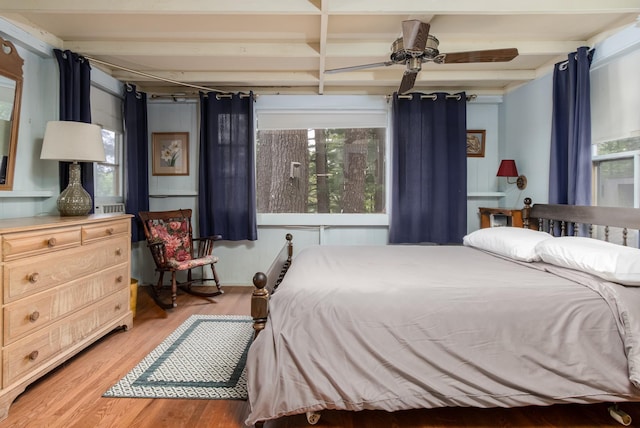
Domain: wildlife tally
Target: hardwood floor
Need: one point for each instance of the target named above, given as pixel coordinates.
(71, 395)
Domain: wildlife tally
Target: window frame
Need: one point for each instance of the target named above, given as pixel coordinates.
(119, 149)
(340, 106)
(632, 154)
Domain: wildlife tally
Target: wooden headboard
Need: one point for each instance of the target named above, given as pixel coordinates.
(551, 216)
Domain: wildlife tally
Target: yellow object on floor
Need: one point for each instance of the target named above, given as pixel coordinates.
(134, 295)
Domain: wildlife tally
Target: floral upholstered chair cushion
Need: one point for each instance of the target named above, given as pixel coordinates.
(177, 244)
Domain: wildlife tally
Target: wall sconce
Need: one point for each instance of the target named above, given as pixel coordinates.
(508, 169)
(73, 142)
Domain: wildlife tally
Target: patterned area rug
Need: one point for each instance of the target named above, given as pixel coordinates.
(203, 359)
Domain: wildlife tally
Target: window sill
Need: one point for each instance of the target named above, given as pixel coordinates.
(172, 193)
(291, 219)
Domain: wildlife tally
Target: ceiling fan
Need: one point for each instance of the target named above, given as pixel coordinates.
(417, 46)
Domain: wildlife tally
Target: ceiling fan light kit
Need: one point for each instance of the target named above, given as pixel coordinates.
(417, 46)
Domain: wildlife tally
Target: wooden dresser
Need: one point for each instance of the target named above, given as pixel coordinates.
(65, 284)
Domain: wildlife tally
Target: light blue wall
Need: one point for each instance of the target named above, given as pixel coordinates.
(35, 181)
(525, 117)
(518, 126)
(36, 187)
(482, 183)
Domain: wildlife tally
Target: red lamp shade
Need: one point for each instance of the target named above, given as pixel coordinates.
(507, 168)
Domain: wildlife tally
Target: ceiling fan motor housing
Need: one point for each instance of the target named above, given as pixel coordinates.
(399, 55)
(431, 50)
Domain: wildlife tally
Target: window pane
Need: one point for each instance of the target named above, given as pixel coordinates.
(615, 178)
(615, 182)
(109, 141)
(618, 146)
(321, 170)
(107, 183)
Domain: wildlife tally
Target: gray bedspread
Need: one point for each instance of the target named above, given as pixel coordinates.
(402, 327)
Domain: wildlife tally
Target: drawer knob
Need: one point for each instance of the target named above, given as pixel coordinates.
(118, 252)
(33, 355)
(33, 278)
(51, 242)
(110, 231)
(119, 278)
(34, 316)
(118, 307)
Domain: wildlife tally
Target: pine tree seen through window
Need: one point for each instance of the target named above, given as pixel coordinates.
(321, 170)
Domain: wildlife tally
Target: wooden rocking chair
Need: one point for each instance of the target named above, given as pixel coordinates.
(174, 249)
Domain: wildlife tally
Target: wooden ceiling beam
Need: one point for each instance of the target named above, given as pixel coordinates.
(154, 7)
(484, 7)
(298, 49)
(193, 49)
(296, 78)
(368, 7)
(247, 78)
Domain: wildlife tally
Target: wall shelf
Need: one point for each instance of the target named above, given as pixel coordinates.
(26, 194)
(486, 194)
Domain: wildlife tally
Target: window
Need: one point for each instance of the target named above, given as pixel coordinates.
(322, 161)
(616, 177)
(616, 173)
(106, 111)
(108, 174)
(324, 170)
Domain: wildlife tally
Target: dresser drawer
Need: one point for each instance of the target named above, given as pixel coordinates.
(92, 232)
(27, 244)
(32, 313)
(27, 355)
(28, 276)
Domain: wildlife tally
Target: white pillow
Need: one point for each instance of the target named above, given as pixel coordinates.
(603, 259)
(513, 242)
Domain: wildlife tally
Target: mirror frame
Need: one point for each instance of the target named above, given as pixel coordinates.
(11, 68)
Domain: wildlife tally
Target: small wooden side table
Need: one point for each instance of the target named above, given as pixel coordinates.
(491, 217)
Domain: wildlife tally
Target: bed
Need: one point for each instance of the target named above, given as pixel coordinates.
(514, 317)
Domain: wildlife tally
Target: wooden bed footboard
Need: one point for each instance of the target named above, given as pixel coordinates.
(266, 283)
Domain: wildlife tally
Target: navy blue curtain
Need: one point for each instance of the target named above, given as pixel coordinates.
(227, 200)
(429, 170)
(75, 105)
(136, 146)
(570, 160)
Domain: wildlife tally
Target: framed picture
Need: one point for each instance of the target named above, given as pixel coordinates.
(170, 153)
(475, 143)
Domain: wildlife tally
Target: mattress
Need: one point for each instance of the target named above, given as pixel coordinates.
(402, 327)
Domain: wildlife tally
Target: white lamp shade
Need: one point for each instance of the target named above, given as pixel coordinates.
(72, 141)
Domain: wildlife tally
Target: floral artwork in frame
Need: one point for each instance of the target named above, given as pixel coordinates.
(170, 155)
(475, 142)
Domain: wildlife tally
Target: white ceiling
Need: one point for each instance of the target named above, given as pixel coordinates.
(284, 46)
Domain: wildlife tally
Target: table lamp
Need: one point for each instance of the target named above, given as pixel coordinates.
(73, 142)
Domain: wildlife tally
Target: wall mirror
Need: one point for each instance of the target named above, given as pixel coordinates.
(10, 96)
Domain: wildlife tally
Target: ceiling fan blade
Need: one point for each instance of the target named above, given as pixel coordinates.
(414, 35)
(408, 80)
(359, 67)
(491, 55)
